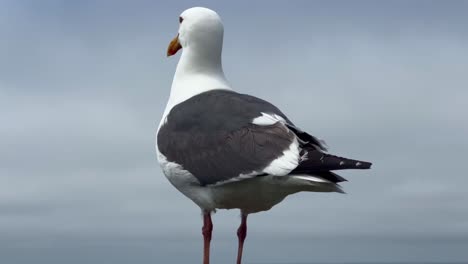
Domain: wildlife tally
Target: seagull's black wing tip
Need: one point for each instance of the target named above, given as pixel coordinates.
(365, 165)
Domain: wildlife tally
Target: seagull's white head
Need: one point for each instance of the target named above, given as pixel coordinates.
(200, 68)
(200, 30)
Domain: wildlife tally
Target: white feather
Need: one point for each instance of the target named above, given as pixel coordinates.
(312, 178)
(238, 178)
(267, 119)
(287, 162)
(186, 183)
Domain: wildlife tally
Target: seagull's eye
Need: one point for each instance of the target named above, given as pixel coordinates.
(181, 19)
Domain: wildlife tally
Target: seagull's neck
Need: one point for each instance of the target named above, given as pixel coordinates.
(198, 71)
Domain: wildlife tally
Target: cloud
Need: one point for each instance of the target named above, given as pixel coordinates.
(82, 88)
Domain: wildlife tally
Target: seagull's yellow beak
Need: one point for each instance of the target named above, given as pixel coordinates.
(174, 46)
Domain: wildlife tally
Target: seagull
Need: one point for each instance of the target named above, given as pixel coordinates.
(228, 150)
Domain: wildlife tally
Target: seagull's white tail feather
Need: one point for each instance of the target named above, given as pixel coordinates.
(311, 178)
(320, 184)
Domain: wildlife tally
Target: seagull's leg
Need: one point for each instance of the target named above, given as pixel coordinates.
(241, 234)
(206, 231)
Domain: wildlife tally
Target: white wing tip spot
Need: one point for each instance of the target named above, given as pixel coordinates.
(358, 163)
(341, 163)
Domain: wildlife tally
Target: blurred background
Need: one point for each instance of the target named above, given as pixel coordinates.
(83, 85)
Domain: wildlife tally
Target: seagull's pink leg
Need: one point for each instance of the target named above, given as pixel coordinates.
(241, 234)
(206, 231)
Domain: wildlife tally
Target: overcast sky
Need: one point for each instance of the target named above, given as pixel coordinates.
(83, 85)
